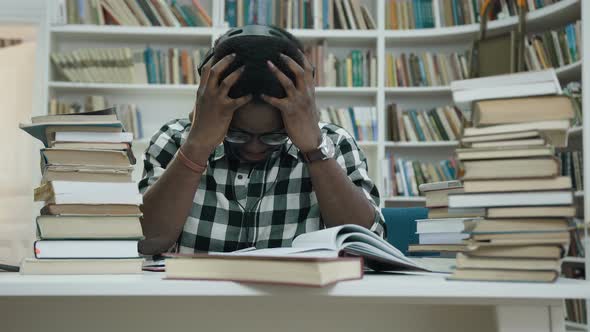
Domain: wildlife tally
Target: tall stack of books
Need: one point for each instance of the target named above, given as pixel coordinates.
(90, 221)
(510, 169)
(444, 229)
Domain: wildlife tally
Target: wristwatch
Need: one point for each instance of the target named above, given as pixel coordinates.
(324, 151)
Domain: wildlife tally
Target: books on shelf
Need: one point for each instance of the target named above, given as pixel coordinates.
(124, 65)
(402, 177)
(345, 15)
(461, 12)
(7, 42)
(359, 121)
(574, 91)
(521, 187)
(134, 13)
(426, 69)
(553, 48)
(91, 213)
(409, 14)
(409, 125)
(571, 164)
(285, 14)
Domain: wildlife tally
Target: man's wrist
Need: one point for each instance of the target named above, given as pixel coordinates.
(196, 153)
(311, 147)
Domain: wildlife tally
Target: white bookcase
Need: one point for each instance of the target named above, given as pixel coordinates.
(160, 103)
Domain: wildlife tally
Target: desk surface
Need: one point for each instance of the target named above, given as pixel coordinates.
(430, 287)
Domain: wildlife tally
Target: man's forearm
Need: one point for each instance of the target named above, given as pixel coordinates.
(166, 205)
(341, 202)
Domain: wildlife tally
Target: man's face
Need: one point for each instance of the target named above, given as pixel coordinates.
(258, 121)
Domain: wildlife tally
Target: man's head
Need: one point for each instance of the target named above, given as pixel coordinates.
(257, 128)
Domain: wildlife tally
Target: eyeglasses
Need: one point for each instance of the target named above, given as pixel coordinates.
(241, 137)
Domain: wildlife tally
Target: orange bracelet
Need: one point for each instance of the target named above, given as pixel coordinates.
(190, 164)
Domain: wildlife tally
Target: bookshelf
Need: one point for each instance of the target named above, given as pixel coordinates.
(159, 103)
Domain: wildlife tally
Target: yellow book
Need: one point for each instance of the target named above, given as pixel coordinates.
(393, 13)
(349, 72)
(389, 59)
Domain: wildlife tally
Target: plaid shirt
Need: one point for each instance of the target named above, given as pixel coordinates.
(266, 206)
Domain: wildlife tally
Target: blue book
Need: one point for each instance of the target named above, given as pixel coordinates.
(185, 16)
(571, 41)
(148, 56)
(402, 171)
(231, 13)
(423, 80)
(326, 13)
(445, 168)
(455, 13)
(158, 65)
(451, 169)
(414, 117)
(355, 128)
(417, 16)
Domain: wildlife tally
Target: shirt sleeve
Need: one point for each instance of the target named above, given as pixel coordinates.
(160, 152)
(352, 159)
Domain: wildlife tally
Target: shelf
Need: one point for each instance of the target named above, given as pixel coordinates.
(579, 193)
(189, 88)
(368, 144)
(554, 15)
(575, 130)
(571, 259)
(438, 144)
(419, 91)
(573, 326)
(123, 33)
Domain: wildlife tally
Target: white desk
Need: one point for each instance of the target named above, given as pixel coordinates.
(376, 303)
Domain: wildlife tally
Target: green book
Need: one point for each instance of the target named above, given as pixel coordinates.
(439, 126)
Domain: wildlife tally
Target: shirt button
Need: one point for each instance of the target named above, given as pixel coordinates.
(240, 177)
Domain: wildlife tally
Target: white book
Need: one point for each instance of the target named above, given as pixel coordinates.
(432, 186)
(88, 136)
(523, 78)
(447, 225)
(349, 15)
(442, 238)
(552, 125)
(536, 198)
(73, 192)
(86, 249)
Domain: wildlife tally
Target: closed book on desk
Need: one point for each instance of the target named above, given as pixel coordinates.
(97, 158)
(83, 173)
(86, 249)
(504, 275)
(511, 168)
(304, 271)
(32, 266)
(95, 209)
(525, 198)
(70, 192)
(528, 264)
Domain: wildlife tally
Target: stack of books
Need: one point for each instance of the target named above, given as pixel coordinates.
(90, 221)
(443, 232)
(133, 13)
(510, 169)
(124, 65)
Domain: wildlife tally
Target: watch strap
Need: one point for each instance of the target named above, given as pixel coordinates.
(313, 155)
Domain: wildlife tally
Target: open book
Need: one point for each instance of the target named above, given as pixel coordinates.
(346, 240)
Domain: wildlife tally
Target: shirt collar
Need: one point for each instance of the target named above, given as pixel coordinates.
(289, 147)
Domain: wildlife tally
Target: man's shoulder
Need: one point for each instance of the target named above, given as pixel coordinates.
(176, 126)
(336, 133)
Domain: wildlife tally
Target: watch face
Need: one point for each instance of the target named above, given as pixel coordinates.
(327, 147)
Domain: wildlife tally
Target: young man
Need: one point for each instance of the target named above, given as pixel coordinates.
(256, 169)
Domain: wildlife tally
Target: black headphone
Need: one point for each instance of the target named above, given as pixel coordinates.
(248, 31)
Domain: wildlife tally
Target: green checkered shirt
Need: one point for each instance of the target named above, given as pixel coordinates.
(266, 206)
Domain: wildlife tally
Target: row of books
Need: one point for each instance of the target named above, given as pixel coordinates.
(90, 221)
(124, 65)
(134, 13)
(128, 114)
(408, 14)
(346, 15)
(427, 69)
(571, 164)
(285, 14)
(437, 124)
(357, 69)
(360, 121)
(460, 12)
(402, 177)
(575, 310)
(4, 42)
(555, 48)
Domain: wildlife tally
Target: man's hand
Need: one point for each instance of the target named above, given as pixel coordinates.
(213, 111)
(298, 108)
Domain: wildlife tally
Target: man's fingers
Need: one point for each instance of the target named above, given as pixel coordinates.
(276, 102)
(217, 69)
(239, 102)
(296, 69)
(229, 81)
(307, 67)
(205, 70)
(285, 81)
